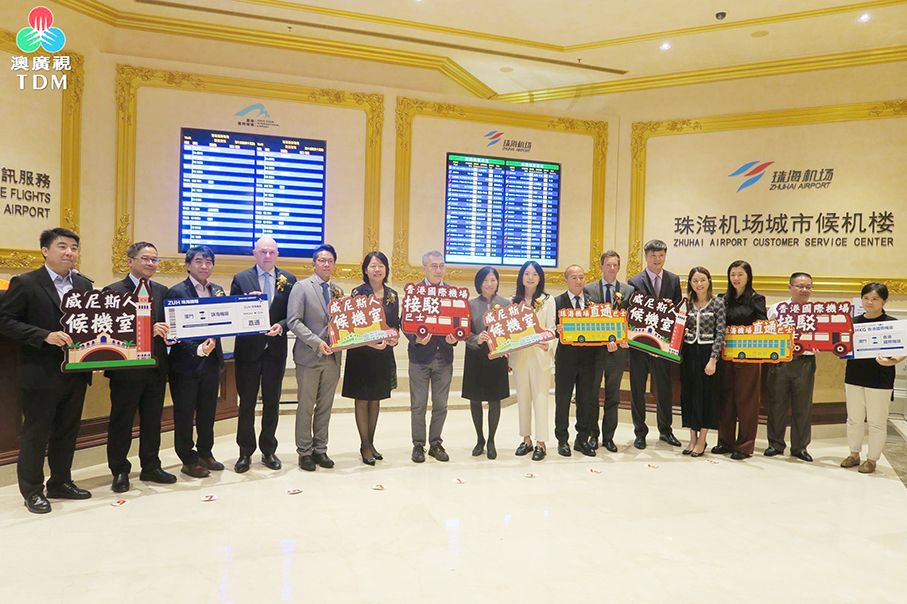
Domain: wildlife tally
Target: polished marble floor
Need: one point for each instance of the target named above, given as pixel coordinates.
(652, 526)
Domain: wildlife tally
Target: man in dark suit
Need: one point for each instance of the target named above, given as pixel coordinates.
(195, 374)
(51, 400)
(574, 368)
(612, 358)
(653, 281)
(261, 359)
(141, 389)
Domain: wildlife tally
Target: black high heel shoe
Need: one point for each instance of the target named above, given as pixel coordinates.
(377, 455)
(700, 453)
(367, 460)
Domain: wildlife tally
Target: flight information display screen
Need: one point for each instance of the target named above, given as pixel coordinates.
(501, 211)
(236, 188)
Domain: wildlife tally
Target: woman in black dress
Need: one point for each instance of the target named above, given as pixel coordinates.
(484, 379)
(702, 342)
(371, 372)
(738, 408)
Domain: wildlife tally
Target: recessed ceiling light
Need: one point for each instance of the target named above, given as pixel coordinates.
(665, 46)
(506, 69)
(864, 18)
(759, 34)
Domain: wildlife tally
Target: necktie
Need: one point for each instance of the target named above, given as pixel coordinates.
(576, 302)
(658, 285)
(269, 289)
(324, 291)
(608, 293)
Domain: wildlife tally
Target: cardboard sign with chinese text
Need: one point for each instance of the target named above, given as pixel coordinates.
(438, 310)
(655, 326)
(109, 330)
(819, 326)
(761, 342)
(512, 328)
(595, 325)
(358, 321)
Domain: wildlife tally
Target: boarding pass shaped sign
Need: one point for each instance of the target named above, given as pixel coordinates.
(216, 317)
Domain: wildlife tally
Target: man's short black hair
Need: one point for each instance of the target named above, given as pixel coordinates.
(199, 250)
(48, 236)
(655, 245)
(138, 246)
(796, 276)
(325, 247)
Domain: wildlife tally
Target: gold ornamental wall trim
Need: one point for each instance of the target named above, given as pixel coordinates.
(70, 155)
(408, 109)
(128, 81)
(643, 131)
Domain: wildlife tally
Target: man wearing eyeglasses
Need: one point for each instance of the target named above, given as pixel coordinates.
(194, 370)
(140, 389)
(790, 386)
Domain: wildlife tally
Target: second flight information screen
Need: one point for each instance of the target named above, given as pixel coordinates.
(236, 188)
(501, 211)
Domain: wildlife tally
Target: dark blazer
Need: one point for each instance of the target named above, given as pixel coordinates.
(596, 292)
(745, 311)
(30, 311)
(670, 285)
(424, 354)
(250, 348)
(184, 357)
(159, 347)
(391, 302)
(567, 354)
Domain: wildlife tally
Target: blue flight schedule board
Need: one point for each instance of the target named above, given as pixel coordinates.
(236, 188)
(501, 211)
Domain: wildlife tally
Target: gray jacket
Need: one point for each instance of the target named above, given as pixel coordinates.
(308, 318)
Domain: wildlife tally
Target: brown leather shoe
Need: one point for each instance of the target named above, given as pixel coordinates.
(210, 463)
(195, 470)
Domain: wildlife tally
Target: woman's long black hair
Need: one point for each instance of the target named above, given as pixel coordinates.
(521, 289)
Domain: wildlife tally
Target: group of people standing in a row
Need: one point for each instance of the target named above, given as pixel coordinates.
(716, 394)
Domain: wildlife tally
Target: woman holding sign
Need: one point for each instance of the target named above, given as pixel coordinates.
(371, 372)
(484, 379)
(702, 342)
(532, 366)
(868, 386)
(738, 410)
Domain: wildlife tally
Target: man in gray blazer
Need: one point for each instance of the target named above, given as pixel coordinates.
(317, 366)
(612, 358)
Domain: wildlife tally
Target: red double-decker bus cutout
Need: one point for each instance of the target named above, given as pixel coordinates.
(438, 310)
(358, 321)
(819, 326)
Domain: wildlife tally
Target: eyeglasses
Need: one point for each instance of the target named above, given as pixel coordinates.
(437, 267)
(324, 261)
(805, 288)
(202, 262)
(148, 260)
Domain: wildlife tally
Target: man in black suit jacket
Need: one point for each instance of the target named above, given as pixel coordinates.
(261, 359)
(194, 368)
(141, 389)
(574, 367)
(51, 400)
(612, 358)
(653, 281)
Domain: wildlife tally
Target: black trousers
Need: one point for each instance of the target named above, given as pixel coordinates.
(127, 397)
(194, 399)
(52, 417)
(610, 366)
(267, 373)
(567, 378)
(641, 366)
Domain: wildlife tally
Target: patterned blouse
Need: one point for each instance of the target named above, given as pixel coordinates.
(706, 325)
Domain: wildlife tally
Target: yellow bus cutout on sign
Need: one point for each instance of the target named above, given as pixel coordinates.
(761, 342)
(595, 325)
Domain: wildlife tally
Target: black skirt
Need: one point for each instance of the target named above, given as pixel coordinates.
(370, 374)
(484, 379)
(699, 392)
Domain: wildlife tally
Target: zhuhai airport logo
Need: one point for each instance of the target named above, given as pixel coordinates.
(784, 179)
(497, 137)
(40, 32)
